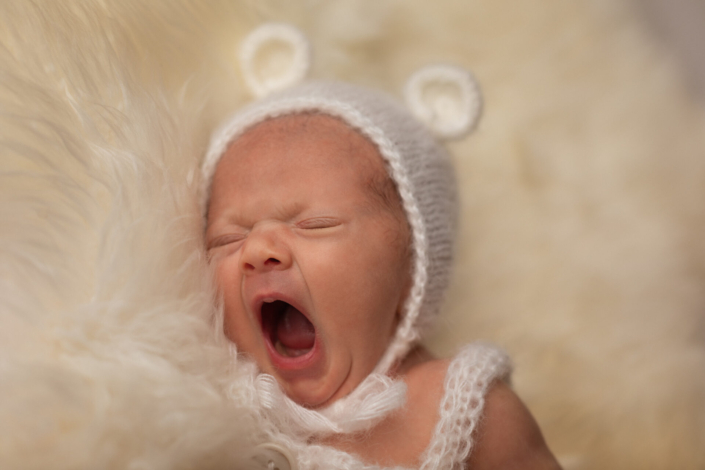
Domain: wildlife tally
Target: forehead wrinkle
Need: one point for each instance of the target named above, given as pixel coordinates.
(287, 211)
(247, 214)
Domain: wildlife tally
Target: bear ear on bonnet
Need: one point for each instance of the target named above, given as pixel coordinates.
(273, 57)
(446, 98)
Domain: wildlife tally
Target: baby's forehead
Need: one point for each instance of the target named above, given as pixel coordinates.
(331, 142)
(319, 132)
(308, 125)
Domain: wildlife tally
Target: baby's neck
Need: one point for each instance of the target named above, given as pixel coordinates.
(416, 356)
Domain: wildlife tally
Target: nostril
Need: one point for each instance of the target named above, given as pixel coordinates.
(262, 264)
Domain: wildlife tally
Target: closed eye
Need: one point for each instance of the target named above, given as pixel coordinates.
(225, 240)
(318, 223)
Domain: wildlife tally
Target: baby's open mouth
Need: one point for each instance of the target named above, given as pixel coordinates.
(291, 333)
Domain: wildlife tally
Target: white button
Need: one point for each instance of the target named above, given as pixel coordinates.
(272, 457)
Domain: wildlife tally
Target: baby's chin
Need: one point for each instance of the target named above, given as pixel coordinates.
(319, 392)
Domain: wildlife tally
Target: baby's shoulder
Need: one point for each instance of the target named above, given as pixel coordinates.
(508, 435)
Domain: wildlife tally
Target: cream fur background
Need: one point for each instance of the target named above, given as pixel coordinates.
(581, 248)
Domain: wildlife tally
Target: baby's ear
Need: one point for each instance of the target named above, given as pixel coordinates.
(445, 98)
(273, 57)
(405, 293)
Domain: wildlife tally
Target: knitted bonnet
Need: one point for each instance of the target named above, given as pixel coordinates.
(444, 100)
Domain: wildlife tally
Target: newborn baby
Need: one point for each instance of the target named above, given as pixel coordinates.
(330, 215)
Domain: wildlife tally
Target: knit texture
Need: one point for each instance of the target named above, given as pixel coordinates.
(468, 379)
(371, 401)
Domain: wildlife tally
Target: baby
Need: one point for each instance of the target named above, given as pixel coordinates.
(330, 215)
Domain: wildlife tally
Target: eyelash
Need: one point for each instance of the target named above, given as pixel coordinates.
(318, 223)
(225, 240)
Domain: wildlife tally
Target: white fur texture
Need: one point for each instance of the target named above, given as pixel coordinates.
(581, 242)
(108, 356)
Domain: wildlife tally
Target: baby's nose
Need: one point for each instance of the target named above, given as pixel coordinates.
(264, 250)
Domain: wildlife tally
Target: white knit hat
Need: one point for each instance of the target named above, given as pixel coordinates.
(415, 161)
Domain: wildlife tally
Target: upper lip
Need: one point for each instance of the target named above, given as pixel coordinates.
(270, 287)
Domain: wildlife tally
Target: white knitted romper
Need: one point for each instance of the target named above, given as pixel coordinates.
(467, 381)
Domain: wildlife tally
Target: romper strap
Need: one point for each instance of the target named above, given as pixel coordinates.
(468, 378)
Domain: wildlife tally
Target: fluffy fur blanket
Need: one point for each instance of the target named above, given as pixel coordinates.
(581, 248)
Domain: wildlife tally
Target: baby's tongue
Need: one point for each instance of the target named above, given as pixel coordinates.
(294, 331)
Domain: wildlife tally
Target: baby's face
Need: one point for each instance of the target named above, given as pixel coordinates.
(313, 266)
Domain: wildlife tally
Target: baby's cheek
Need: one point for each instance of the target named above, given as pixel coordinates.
(228, 288)
(224, 265)
(236, 325)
